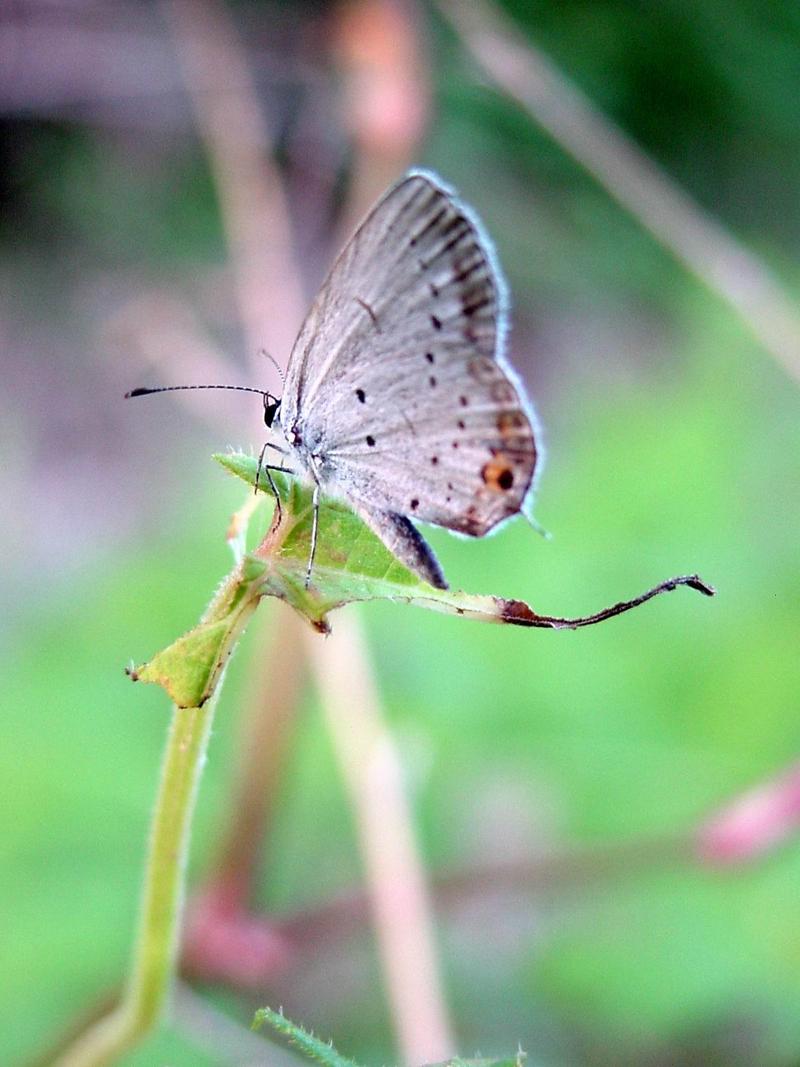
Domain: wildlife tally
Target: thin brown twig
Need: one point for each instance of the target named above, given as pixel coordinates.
(281, 673)
(269, 297)
(631, 177)
(581, 870)
(224, 940)
(254, 207)
(269, 294)
(270, 300)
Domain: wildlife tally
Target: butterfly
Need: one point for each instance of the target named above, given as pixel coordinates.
(397, 397)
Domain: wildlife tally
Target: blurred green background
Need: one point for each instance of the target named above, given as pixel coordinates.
(673, 445)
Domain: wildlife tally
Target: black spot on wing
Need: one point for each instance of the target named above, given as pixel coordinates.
(464, 271)
(464, 231)
(474, 304)
(430, 225)
(457, 222)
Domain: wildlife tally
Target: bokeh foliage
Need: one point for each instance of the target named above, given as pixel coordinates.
(673, 445)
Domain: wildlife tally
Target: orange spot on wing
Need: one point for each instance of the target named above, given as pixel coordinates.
(498, 473)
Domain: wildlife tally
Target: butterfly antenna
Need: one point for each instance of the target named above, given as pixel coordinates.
(144, 391)
(275, 364)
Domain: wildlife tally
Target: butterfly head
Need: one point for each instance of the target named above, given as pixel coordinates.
(272, 406)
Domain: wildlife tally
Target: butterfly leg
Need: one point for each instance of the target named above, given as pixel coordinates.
(262, 466)
(274, 489)
(314, 530)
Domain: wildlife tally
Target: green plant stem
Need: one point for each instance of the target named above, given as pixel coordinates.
(156, 945)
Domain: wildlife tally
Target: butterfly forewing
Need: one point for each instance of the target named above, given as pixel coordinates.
(407, 275)
(396, 382)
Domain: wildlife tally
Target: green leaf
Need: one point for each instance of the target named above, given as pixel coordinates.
(190, 667)
(353, 564)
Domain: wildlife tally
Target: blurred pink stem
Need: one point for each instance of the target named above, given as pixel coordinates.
(383, 64)
(629, 175)
(398, 893)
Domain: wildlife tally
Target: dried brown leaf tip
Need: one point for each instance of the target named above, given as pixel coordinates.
(518, 613)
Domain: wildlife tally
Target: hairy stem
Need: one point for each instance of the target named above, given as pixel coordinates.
(156, 944)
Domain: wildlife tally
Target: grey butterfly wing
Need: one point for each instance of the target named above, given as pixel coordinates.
(396, 381)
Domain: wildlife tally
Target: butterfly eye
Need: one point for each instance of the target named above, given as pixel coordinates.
(270, 411)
